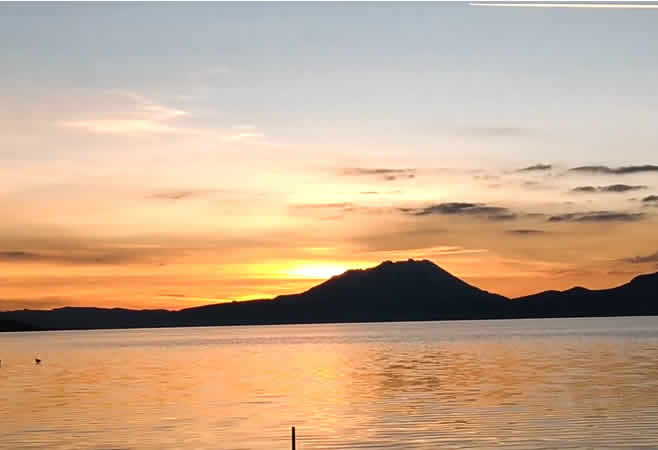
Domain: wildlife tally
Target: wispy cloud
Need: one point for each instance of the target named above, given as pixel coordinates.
(385, 174)
(597, 216)
(240, 133)
(605, 170)
(17, 256)
(526, 232)
(87, 257)
(493, 213)
(643, 259)
(613, 188)
(183, 194)
(128, 113)
(536, 168)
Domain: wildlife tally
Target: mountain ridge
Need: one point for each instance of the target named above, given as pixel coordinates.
(391, 291)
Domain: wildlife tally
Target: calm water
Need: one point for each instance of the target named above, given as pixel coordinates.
(557, 383)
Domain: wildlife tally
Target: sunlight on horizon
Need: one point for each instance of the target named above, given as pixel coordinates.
(317, 271)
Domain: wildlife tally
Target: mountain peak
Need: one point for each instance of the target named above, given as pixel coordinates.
(404, 279)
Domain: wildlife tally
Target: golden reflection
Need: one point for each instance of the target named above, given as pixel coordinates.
(413, 385)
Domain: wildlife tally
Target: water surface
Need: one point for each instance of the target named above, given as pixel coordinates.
(517, 384)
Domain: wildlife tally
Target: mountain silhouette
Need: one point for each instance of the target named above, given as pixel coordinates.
(639, 297)
(391, 291)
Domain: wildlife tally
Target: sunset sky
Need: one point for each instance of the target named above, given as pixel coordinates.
(170, 155)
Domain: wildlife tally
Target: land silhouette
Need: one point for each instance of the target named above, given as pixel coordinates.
(411, 290)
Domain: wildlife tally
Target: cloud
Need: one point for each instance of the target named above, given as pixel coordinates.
(605, 170)
(621, 188)
(17, 256)
(526, 232)
(536, 168)
(182, 195)
(584, 189)
(613, 188)
(597, 216)
(369, 193)
(127, 113)
(65, 257)
(643, 259)
(502, 217)
(385, 174)
(535, 185)
(493, 213)
(650, 199)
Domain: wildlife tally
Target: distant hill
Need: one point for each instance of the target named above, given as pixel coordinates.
(639, 297)
(12, 325)
(392, 291)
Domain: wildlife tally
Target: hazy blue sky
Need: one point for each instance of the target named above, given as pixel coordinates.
(248, 117)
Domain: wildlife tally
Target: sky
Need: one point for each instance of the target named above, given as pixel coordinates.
(167, 155)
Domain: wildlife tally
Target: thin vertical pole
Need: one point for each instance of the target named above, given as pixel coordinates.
(293, 438)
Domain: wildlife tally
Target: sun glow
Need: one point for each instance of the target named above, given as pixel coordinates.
(317, 271)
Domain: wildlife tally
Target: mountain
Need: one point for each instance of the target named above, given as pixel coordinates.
(71, 318)
(392, 291)
(408, 290)
(639, 297)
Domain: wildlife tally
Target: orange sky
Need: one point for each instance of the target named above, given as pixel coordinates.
(135, 172)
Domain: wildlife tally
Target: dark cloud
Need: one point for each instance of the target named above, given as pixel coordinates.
(621, 188)
(597, 216)
(613, 188)
(502, 217)
(622, 272)
(494, 213)
(535, 215)
(650, 199)
(385, 174)
(586, 189)
(536, 168)
(181, 195)
(526, 232)
(605, 170)
(17, 256)
(643, 259)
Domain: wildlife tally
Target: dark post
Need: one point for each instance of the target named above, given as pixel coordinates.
(293, 438)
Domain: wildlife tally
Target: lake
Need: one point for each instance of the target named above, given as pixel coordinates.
(514, 384)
